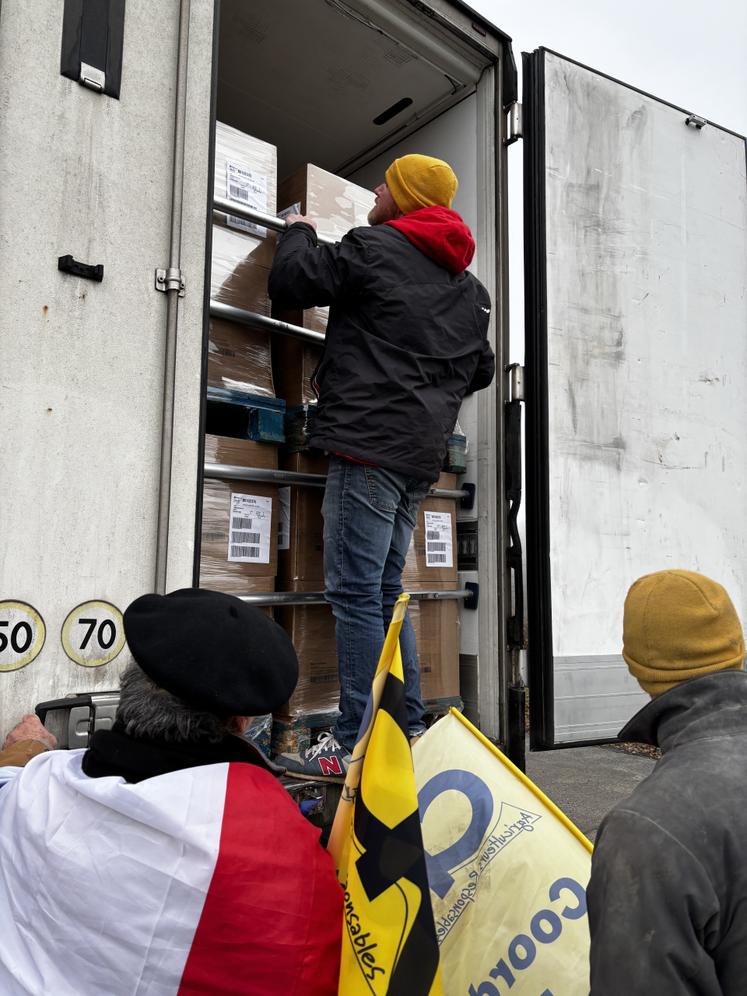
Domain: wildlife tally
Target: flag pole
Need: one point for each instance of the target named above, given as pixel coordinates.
(341, 825)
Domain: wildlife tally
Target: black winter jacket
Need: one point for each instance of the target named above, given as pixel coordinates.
(668, 892)
(406, 340)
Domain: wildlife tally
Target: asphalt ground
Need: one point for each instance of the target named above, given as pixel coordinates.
(586, 782)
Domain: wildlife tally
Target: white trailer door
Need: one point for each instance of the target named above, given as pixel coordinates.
(636, 225)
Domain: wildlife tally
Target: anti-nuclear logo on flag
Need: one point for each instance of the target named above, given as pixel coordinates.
(507, 871)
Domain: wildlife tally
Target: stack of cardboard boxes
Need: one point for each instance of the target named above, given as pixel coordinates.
(258, 537)
(431, 565)
(239, 518)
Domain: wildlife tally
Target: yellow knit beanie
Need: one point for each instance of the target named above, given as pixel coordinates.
(421, 181)
(679, 625)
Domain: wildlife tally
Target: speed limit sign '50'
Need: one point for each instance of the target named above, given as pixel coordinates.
(22, 634)
(93, 633)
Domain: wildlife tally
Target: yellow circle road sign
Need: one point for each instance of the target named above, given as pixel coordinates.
(93, 633)
(22, 634)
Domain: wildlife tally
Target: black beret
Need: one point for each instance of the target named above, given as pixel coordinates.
(213, 651)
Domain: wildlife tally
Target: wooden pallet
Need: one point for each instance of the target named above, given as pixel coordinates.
(245, 416)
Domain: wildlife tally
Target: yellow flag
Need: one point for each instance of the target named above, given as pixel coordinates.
(389, 945)
(507, 870)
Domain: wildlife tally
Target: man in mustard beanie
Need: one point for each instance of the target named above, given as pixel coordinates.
(407, 338)
(667, 898)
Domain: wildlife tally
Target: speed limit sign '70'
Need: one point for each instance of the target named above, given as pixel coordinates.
(93, 633)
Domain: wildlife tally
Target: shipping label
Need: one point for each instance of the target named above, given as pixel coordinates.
(247, 187)
(249, 529)
(438, 540)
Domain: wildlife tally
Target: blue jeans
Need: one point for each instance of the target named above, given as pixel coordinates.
(369, 516)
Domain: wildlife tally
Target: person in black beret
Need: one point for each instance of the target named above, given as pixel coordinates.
(203, 663)
(168, 855)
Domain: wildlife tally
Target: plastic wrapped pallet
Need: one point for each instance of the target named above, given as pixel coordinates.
(436, 625)
(432, 556)
(245, 172)
(240, 452)
(239, 270)
(239, 521)
(239, 359)
(312, 631)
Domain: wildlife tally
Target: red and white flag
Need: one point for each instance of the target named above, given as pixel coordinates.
(206, 880)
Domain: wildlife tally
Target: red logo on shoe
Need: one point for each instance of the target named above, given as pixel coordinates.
(330, 765)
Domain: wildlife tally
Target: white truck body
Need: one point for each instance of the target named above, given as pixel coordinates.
(101, 383)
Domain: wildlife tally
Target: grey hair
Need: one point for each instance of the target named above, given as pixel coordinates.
(146, 710)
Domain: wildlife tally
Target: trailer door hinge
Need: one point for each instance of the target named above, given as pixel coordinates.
(516, 371)
(695, 121)
(515, 125)
(93, 78)
(170, 280)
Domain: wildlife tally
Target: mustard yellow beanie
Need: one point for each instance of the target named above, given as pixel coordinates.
(679, 625)
(421, 181)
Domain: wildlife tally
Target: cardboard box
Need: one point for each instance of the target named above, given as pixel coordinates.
(246, 172)
(240, 452)
(337, 205)
(239, 359)
(436, 625)
(239, 535)
(312, 631)
(301, 551)
(240, 268)
(432, 556)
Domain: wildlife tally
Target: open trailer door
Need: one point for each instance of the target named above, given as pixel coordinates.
(635, 228)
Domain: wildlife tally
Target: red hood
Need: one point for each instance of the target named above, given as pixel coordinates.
(441, 234)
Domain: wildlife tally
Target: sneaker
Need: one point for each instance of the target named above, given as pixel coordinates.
(326, 759)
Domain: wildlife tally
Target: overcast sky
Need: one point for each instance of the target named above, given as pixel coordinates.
(690, 53)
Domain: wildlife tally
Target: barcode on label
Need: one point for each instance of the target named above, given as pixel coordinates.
(238, 193)
(242, 536)
(242, 522)
(436, 547)
(437, 558)
(432, 535)
(244, 551)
